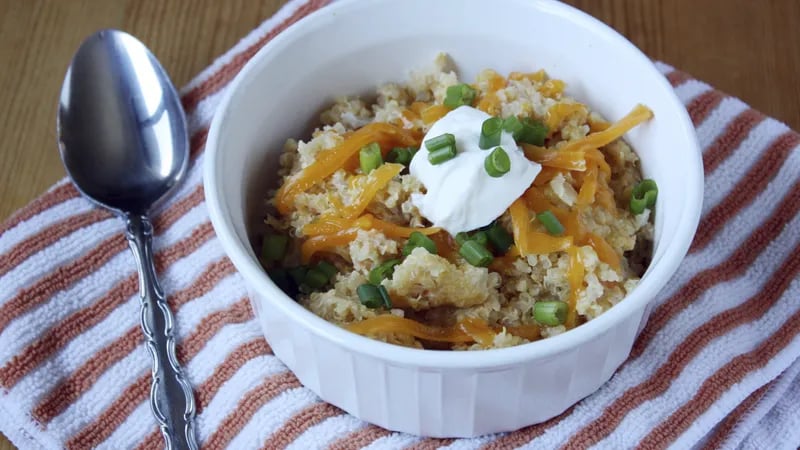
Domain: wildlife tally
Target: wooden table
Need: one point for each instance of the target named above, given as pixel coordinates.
(747, 48)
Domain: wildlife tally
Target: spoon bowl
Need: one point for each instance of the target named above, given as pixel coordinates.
(121, 127)
(122, 136)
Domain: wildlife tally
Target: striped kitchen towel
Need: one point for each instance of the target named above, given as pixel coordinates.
(717, 364)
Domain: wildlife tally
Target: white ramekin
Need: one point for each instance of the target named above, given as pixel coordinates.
(350, 48)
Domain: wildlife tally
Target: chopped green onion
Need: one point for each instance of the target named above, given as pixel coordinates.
(400, 155)
(417, 239)
(458, 95)
(328, 269)
(387, 301)
(497, 163)
(551, 313)
(500, 238)
(315, 278)
(644, 196)
(461, 238)
(551, 223)
(382, 271)
(480, 237)
(273, 247)
(298, 274)
(370, 157)
(526, 130)
(441, 141)
(532, 132)
(280, 277)
(442, 155)
(512, 125)
(475, 254)
(369, 295)
(491, 130)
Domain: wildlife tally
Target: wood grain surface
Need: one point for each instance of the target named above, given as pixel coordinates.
(747, 48)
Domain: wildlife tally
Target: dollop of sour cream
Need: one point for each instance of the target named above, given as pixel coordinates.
(461, 195)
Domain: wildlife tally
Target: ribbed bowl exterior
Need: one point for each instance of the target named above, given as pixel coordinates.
(439, 402)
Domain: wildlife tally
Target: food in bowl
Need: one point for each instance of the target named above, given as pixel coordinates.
(446, 215)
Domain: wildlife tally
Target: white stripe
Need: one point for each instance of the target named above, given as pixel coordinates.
(129, 434)
(271, 416)
(251, 38)
(672, 334)
(736, 231)
(718, 120)
(780, 429)
(206, 109)
(144, 420)
(761, 408)
(690, 90)
(58, 254)
(664, 68)
(28, 327)
(712, 358)
(88, 407)
(720, 183)
(250, 375)
(218, 348)
(323, 434)
(393, 441)
(474, 443)
(57, 212)
(83, 347)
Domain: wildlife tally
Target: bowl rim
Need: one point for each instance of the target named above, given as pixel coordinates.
(656, 278)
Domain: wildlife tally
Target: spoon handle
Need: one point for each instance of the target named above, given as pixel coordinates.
(171, 398)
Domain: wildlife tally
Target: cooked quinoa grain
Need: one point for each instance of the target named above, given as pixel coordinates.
(358, 221)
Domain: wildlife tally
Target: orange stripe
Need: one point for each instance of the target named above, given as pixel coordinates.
(239, 312)
(730, 139)
(733, 419)
(250, 403)
(206, 391)
(47, 237)
(226, 73)
(360, 438)
(677, 78)
(430, 444)
(83, 319)
(299, 423)
(701, 106)
(731, 268)
(66, 392)
(723, 379)
(686, 351)
(527, 434)
(750, 185)
(135, 394)
(44, 202)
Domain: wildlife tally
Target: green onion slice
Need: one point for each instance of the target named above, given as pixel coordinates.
(382, 271)
(491, 131)
(480, 237)
(441, 141)
(497, 163)
(442, 155)
(513, 125)
(551, 313)
(459, 95)
(315, 278)
(551, 223)
(370, 157)
(385, 299)
(273, 247)
(328, 269)
(461, 238)
(417, 239)
(298, 274)
(532, 132)
(400, 155)
(475, 253)
(500, 238)
(644, 196)
(369, 295)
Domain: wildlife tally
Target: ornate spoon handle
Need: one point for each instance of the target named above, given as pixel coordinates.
(171, 398)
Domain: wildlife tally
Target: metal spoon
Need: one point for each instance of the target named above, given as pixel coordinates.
(123, 140)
